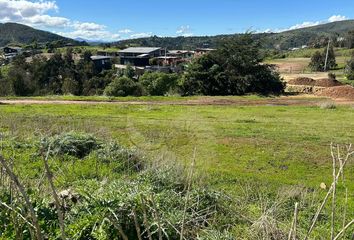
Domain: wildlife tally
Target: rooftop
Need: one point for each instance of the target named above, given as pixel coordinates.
(100, 57)
(142, 50)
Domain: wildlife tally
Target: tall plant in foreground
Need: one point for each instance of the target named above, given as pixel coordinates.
(339, 162)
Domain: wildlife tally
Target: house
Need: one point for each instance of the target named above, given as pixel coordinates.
(168, 61)
(107, 53)
(10, 52)
(183, 54)
(102, 62)
(139, 56)
(202, 51)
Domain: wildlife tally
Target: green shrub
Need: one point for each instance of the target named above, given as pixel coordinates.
(122, 87)
(73, 144)
(158, 84)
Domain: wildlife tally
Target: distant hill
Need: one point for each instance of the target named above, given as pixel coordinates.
(282, 40)
(13, 33)
(304, 36)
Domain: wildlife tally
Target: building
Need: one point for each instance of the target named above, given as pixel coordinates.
(10, 52)
(202, 51)
(183, 54)
(102, 62)
(139, 56)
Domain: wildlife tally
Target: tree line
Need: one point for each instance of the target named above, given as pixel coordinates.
(236, 68)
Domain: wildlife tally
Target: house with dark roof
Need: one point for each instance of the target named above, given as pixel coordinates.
(102, 62)
(139, 56)
(10, 52)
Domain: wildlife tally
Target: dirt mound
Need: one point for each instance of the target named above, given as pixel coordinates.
(302, 81)
(326, 82)
(339, 92)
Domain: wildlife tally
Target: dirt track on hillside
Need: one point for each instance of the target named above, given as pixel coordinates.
(217, 101)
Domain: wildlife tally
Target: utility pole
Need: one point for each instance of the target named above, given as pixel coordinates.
(326, 62)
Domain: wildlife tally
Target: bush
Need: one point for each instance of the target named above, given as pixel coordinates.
(350, 69)
(328, 105)
(332, 76)
(158, 84)
(74, 144)
(122, 87)
(125, 159)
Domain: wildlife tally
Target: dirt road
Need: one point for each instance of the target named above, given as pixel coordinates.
(279, 101)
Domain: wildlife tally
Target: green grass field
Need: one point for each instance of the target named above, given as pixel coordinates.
(275, 144)
(270, 148)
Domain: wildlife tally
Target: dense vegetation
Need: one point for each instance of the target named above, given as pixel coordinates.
(58, 75)
(13, 33)
(234, 69)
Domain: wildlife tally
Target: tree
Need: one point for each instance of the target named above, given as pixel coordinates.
(331, 61)
(70, 86)
(158, 84)
(350, 39)
(236, 68)
(5, 86)
(122, 87)
(350, 68)
(318, 60)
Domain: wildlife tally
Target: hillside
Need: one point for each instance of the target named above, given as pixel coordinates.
(282, 40)
(13, 33)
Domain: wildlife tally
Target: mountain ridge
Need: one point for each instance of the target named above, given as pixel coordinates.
(15, 33)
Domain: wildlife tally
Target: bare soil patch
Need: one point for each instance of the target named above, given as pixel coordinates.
(340, 92)
(324, 82)
(299, 100)
(302, 81)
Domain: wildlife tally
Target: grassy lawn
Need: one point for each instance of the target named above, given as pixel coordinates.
(277, 145)
(270, 148)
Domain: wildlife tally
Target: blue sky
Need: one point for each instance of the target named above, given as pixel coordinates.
(114, 19)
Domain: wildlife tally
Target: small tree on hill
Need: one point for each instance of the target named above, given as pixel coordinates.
(331, 60)
(350, 68)
(350, 39)
(318, 60)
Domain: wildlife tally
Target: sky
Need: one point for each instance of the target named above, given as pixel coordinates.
(112, 20)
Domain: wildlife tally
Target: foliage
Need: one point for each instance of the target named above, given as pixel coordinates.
(350, 69)
(110, 208)
(318, 60)
(58, 75)
(74, 144)
(158, 84)
(123, 86)
(234, 69)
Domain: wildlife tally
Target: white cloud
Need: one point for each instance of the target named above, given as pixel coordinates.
(36, 13)
(88, 26)
(47, 21)
(184, 31)
(91, 35)
(304, 25)
(336, 18)
(141, 35)
(125, 31)
(31, 13)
